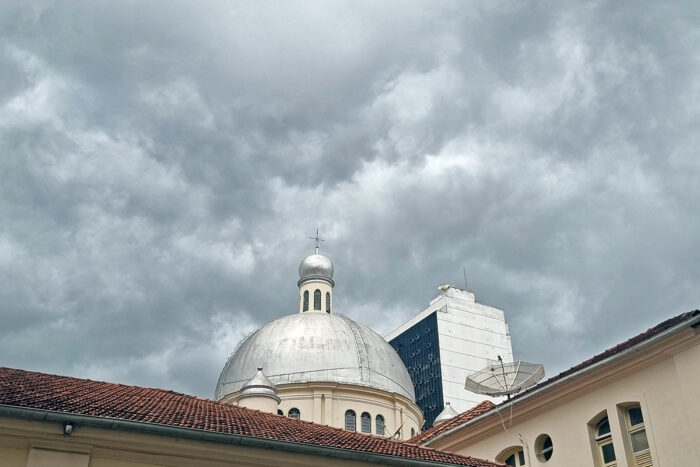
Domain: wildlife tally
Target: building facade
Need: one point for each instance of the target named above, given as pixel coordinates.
(443, 344)
(635, 405)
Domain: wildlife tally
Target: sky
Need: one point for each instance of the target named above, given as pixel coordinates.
(164, 163)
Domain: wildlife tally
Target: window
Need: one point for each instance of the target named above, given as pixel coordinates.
(366, 422)
(379, 424)
(516, 459)
(603, 439)
(636, 430)
(317, 300)
(294, 413)
(413, 432)
(306, 300)
(279, 412)
(350, 420)
(544, 448)
(328, 302)
(513, 456)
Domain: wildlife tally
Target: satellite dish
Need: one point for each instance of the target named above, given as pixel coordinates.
(504, 379)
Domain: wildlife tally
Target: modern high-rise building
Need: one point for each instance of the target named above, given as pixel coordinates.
(443, 344)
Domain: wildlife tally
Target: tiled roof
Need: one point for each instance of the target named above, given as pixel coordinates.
(20, 388)
(429, 434)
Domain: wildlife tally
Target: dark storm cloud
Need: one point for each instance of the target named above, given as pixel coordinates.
(162, 165)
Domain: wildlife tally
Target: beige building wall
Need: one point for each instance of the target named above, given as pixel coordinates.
(664, 380)
(42, 444)
(326, 403)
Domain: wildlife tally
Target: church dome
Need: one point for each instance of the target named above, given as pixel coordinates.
(317, 347)
(316, 267)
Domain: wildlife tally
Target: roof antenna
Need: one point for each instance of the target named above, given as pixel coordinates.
(466, 289)
(318, 240)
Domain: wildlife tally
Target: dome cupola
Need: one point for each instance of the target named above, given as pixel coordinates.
(322, 366)
(316, 282)
(316, 267)
(447, 413)
(259, 393)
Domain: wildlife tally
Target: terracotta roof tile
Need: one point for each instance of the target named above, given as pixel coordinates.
(42, 391)
(429, 434)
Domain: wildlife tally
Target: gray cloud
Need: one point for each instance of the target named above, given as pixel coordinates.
(162, 165)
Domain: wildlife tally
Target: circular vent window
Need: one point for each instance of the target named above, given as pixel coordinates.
(544, 447)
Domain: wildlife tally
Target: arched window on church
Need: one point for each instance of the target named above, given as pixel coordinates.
(306, 300)
(350, 420)
(294, 413)
(328, 302)
(317, 300)
(366, 422)
(379, 424)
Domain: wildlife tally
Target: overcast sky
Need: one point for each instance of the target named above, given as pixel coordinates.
(162, 165)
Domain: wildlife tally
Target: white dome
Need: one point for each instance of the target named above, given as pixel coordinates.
(316, 347)
(316, 267)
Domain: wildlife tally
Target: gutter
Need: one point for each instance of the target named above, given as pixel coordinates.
(107, 423)
(692, 322)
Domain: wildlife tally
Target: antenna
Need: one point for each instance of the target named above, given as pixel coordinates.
(513, 377)
(465, 279)
(318, 240)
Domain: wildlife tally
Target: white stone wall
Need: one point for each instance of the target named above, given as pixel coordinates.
(472, 336)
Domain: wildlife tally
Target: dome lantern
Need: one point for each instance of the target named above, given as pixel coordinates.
(316, 282)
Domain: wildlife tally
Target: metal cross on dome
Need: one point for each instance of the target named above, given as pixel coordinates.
(318, 240)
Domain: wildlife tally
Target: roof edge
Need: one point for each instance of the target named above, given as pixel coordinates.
(692, 321)
(29, 413)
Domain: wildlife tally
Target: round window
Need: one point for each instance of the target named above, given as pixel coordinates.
(544, 447)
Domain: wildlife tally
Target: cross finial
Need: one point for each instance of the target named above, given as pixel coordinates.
(318, 240)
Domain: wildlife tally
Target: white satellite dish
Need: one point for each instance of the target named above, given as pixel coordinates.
(504, 379)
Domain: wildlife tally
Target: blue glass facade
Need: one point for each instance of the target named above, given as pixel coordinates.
(419, 349)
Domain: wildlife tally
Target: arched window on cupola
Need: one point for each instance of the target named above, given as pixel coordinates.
(379, 424)
(294, 413)
(350, 420)
(317, 300)
(328, 302)
(306, 300)
(366, 422)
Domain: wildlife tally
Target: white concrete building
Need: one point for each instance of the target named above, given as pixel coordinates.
(440, 346)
